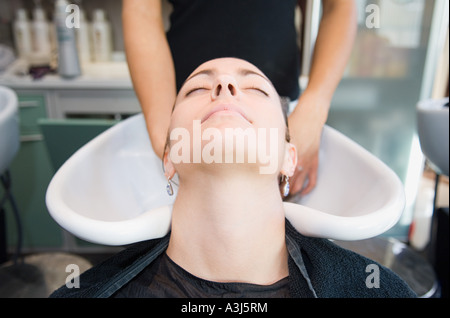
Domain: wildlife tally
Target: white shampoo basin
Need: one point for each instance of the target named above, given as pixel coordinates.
(9, 127)
(112, 191)
(432, 126)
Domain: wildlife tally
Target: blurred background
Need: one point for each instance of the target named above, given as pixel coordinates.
(400, 57)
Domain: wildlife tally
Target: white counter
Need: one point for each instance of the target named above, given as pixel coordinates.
(103, 88)
(111, 75)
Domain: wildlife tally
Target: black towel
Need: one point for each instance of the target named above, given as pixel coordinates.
(333, 272)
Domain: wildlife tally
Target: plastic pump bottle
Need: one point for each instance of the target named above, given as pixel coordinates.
(22, 34)
(83, 36)
(40, 32)
(102, 37)
(68, 62)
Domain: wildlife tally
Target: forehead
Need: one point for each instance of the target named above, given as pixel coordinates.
(226, 63)
(232, 66)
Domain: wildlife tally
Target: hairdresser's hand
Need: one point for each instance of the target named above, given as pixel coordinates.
(334, 43)
(305, 126)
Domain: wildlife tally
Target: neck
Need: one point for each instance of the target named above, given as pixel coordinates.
(229, 228)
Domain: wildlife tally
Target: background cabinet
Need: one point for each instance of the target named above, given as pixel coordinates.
(54, 123)
(31, 172)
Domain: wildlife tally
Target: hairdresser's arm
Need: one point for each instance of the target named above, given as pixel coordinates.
(333, 47)
(151, 66)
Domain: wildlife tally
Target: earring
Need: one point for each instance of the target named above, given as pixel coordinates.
(286, 186)
(169, 187)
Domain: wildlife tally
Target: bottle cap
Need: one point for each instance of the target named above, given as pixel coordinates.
(39, 14)
(21, 14)
(99, 15)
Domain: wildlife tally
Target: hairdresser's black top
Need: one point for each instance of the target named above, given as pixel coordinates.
(317, 268)
(259, 31)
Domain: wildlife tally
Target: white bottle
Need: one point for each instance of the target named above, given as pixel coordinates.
(22, 34)
(83, 36)
(40, 32)
(68, 62)
(101, 37)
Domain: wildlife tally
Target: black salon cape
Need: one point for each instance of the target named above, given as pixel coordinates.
(334, 272)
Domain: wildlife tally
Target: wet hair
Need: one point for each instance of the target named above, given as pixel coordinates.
(285, 101)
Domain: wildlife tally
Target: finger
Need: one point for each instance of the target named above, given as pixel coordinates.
(312, 181)
(297, 182)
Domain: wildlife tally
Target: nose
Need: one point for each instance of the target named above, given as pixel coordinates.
(225, 86)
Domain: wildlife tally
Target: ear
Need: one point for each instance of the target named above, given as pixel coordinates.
(169, 169)
(290, 160)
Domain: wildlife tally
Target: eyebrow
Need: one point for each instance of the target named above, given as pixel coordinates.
(208, 72)
(246, 71)
(241, 71)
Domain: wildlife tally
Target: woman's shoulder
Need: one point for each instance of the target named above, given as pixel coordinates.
(94, 280)
(338, 272)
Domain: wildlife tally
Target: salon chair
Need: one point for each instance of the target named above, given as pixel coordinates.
(433, 127)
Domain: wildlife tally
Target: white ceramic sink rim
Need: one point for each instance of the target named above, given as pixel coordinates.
(9, 127)
(433, 126)
(142, 210)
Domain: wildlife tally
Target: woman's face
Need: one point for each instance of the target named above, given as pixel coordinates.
(228, 92)
(224, 94)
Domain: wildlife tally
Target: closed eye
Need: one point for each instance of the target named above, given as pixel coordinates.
(196, 89)
(259, 90)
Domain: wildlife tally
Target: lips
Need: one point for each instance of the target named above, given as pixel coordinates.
(226, 108)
